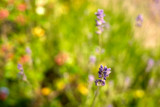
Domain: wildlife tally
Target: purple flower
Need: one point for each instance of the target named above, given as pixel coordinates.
(150, 65)
(100, 82)
(97, 50)
(20, 67)
(100, 15)
(91, 78)
(28, 50)
(151, 82)
(110, 105)
(103, 73)
(100, 21)
(139, 20)
(92, 59)
(21, 73)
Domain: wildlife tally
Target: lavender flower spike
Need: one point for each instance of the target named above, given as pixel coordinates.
(139, 20)
(100, 21)
(20, 67)
(22, 72)
(103, 74)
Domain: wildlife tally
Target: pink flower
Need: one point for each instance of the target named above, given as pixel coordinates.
(22, 7)
(4, 14)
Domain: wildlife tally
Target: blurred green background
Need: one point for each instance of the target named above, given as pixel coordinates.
(55, 41)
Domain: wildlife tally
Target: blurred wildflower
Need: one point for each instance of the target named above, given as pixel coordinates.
(150, 64)
(100, 51)
(38, 31)
(24, 59)
(7, 51)
(20, 67)
(127, 81)
(110, 105)
(21, 19)
(22, 7)
(41, 2)
(4, 92)
(91, 78)
(10, 56)
(103, 73)
(139, 93)
(46, 91)
(60, 84)
(92, 59)
(82, 89)
(100, 82)
(139, 20)
(40, 10)
(61, 58)
(151, 82)
(100, 21)
(5, 48)
(4, 14)
(21, 73)
(28, 50)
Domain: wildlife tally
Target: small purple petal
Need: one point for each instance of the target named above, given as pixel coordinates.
(92, 59)
(108, 69)
(20, 67)
(91, 78)
(100, 82)
(105, 68)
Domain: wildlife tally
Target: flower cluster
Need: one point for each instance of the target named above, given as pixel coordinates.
(103, 73)
(100, 21)
(139, 20)
(22, 72)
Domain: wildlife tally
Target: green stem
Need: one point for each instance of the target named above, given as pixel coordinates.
(100, 47)
(95, 96)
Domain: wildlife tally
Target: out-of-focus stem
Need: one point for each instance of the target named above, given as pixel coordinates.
(100, 47)
(95, 96)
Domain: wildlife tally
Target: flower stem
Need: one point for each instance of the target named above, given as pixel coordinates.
(100, 47)
(95, 96)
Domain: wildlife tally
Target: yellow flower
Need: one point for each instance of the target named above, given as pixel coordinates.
(60, 85)
(46, 91)
(139, 93)
(41, 2)
(38, 31)
(40, 10)
(82, 89)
